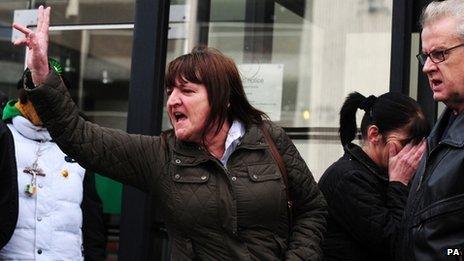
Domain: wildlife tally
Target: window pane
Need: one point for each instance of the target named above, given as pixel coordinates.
(11, 58)
(63, 12)
(76, 11)
(99, 76)
(7, 8)
(91, 11)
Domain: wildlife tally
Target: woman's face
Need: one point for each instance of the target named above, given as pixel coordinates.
(188, 108)
(398, 139)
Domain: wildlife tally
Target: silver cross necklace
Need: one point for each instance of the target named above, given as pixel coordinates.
(35, 171)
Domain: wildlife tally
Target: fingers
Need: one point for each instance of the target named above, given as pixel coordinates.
(43, 19)
(392, 150)
(35, 39)
(43, 22)
(20, 42)
(406, 149)
(415, 155)
(418, 149)
(26, 31)
(421, 147)
(46, 20)
(403, 165)
(40, 17)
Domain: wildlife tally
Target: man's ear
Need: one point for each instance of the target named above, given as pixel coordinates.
(373, 134)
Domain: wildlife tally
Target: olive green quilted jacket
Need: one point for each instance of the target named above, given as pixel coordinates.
(211, 212)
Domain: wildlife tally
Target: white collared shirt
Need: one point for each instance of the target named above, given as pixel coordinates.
(236, 131)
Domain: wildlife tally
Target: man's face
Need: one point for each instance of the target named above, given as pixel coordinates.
(446, 78)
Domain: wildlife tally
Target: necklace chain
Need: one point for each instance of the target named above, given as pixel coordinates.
(35, 171)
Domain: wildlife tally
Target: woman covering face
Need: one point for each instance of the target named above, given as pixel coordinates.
(366, 189)
(213, 175)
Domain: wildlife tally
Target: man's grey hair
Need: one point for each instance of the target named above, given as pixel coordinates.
(441, 9)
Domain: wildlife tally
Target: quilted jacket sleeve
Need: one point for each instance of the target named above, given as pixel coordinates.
(372, 219)
(309, 205)
(135, 160)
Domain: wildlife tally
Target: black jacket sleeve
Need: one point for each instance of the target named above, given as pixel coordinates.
(8, 186)
(93, 226)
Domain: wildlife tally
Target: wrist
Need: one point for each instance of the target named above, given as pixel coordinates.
(39, 77)
(401, 180)
(34, 78)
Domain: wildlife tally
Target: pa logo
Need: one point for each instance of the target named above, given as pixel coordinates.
(453, 252)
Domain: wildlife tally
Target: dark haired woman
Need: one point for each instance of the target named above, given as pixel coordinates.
(213, 176)
(366, 189)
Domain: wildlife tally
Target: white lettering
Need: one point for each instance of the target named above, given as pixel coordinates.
(453, 252)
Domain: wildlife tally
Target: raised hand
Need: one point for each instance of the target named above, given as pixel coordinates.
(37, 43)
(403, 164)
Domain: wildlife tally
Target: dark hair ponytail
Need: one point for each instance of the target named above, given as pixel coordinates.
(389, 112)
(348, 127)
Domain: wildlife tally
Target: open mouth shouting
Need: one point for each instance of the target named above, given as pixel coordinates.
(179, 117)
(435, 84)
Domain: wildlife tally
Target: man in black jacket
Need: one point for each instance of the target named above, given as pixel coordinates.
(434, 215)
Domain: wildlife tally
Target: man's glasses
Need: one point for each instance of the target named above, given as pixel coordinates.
(436, 56)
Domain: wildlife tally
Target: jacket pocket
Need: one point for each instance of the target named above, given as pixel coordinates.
(261, 197)
(191, 176)
(441, 208)
(263, 172)
(437, 228)
(190, 202)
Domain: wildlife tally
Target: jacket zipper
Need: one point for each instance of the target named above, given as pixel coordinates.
(227, 172)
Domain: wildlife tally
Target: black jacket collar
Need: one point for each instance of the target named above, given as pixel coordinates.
(355, 152)
(455, 135)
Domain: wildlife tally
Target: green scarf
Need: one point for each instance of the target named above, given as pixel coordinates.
(10, 110)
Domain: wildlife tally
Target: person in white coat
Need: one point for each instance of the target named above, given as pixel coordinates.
(50, 192)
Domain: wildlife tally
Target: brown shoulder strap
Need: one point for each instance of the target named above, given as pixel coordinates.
(283, 170)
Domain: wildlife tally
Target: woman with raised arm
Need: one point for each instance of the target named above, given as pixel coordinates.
(366, 189)
(213, 175)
